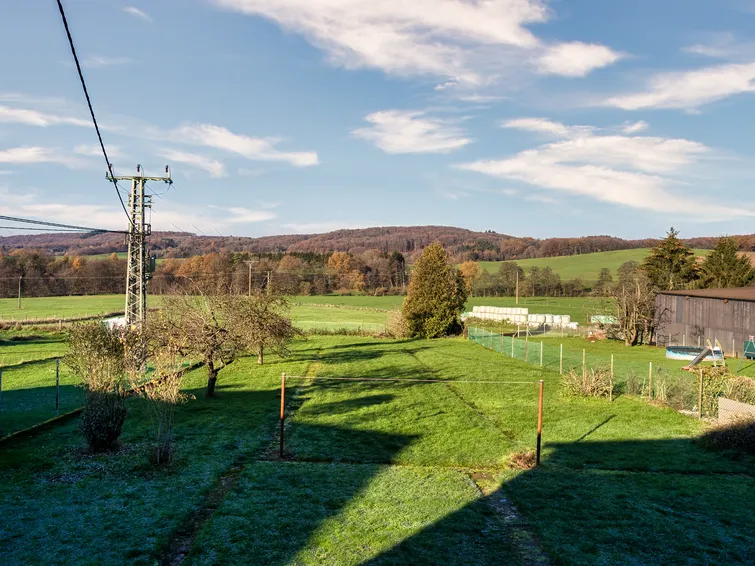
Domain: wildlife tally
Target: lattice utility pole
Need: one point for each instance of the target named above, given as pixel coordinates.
(138, 230)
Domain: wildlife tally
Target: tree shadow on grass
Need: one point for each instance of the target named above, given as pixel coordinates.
(567, 513)
(23, 408)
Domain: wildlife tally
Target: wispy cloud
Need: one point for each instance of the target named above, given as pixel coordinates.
(99, 61)
(212, 166)
(404, 131)
(634, 127)
(259, 149)
(113, 151)
(134, 11)
(634, 171)
(467, 44)
(36, 154)
(41, 119)
(689, 89)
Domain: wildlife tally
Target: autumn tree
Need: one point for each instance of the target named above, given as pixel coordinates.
(671, 264)
(724, 267)
(436, 296)
(260, 322)
(470, 271)
(199, 323)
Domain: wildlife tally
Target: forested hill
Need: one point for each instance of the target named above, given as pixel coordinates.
(410, 240)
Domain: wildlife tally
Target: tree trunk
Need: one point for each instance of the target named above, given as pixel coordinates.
(261, 355)
(212, 378)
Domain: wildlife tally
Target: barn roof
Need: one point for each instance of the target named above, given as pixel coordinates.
(735, 294)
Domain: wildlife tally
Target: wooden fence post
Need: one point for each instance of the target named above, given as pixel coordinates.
(283, 408)
(539, 423)
(610, 392)
(700, 397)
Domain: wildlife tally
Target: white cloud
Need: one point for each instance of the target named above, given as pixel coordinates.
(634, 127)
(404, 131)
(35, 154)
(113, 151)
(98, 61)
(466, 43)
(539, 125)
(634, 171)
(576, 59)
(690, 89)
(239, 215)
(137, 12)
(35, 118)
(322, 227)
(212, 166)
(259, 149)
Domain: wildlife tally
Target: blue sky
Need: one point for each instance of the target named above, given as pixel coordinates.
(527, 117)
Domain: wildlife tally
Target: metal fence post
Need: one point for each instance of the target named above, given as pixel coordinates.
(283, 409)
(539, 422)
(512, 346)
(57, 387)
(561, 359)
(541, 354)
(584, 359)
(650, 381)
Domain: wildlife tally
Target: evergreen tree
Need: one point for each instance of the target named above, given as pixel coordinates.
(725, 268)
(436, 296)
(671, 264)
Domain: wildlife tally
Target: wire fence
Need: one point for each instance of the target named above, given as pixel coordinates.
(32, 392)
(659, 380)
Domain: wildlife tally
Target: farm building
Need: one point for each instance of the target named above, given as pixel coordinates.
(691, 317)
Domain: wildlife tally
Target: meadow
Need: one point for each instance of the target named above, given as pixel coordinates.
(585, 266)
(382, 472)
(332, 310)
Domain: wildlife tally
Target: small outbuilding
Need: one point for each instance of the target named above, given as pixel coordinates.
(692, 317)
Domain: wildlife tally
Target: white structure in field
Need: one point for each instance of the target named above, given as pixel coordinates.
(521, 316)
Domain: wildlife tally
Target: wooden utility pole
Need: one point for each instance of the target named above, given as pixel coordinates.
(249, 262)
(138, 231)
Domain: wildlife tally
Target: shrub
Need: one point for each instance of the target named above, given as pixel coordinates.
(594, 382)
(396, 326)
(740, 389)
(97, 355)
(737, 436)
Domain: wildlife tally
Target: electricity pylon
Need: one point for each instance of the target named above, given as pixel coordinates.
(138, 230)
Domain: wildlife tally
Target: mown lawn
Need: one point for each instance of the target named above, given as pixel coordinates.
(384, 472)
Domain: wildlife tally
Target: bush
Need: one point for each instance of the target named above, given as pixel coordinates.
(740, 389)
(736, 436)
(102, 419)
(98, 355)
(594, 382)
(396, 326)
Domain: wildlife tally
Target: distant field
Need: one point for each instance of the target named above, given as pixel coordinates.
(307, 312)
(586, 266)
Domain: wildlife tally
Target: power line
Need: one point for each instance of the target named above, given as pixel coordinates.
(91, 110)
(56, 225)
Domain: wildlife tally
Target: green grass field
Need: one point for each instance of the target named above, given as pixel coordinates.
(586, 266)
(383, 472)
